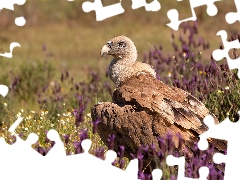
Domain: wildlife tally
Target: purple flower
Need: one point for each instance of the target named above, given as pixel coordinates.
(161, 156)
(78, 147)
(114, 163)
(95, 125)
(79, 113)
(153, 149)
(111, 141)
(144, 176)
(173, 177)
(99, 153)
(169, 141)
(121, 153)
(161, 144)
(139, 156)
(83, 134)
(196, 150)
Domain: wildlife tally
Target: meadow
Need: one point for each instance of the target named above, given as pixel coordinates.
(58, 75)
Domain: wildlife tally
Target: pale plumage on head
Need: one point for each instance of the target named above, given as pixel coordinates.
(120, 47)
(124, 63)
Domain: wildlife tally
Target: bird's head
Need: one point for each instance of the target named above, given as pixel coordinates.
(120, 47)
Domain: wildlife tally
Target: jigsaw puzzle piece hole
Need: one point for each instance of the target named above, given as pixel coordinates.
(172, 161)
(157, 174)
(209, 121)
(203, 144)
(231, 17)
(173, 15)
(53, 135)
(218, 54)
(110, 156)
(88, 6)
(3, 90)
(212, 10)
(32, 138)
(203, 172)
(20, 21)
(86, 145)
(219, 158)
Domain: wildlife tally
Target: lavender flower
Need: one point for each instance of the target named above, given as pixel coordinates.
(121, 155)
(79, 113)
(83, 134)
(111, 141)
(99, 153)
(78, 147)
(95, 125)
(169, 140)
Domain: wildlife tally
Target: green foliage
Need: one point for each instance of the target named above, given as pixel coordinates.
(224, 102)
(31, 79)
(24, 86)
(48, 102)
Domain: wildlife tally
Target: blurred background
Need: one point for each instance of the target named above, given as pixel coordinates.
(73, 38)
(60, 45)
(60, 39)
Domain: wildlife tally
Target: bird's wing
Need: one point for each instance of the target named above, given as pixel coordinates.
(131, 128)
(172, 104)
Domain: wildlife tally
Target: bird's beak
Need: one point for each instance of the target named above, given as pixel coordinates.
(105, 49)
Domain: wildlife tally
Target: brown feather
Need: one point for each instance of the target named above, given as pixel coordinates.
(144, 108)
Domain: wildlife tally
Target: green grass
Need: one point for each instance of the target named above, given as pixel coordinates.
(73, 40)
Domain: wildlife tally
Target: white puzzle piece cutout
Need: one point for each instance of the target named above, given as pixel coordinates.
(9, 4)
(157, 174)
(229, 131)
(103, 169)
(232, 17)
(180, 162)
(19, 21)
(3, 90)
(9, 54)
(219, 54)
(153, 6)
(101, 11)
(58, 150)
(22, 162)
(56, 165)
(173, 14)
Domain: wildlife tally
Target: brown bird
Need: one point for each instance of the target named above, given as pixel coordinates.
(143, 107)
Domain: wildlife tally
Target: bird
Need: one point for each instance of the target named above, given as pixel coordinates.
(143, 107)
(124, 64)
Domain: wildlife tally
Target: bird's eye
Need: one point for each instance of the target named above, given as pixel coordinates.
(121, 44)
(109, 44)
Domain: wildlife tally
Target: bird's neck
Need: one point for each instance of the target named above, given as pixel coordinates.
(121, 67)
(118, 69)
(133, 55)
